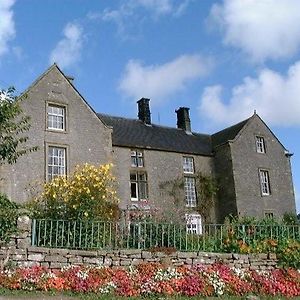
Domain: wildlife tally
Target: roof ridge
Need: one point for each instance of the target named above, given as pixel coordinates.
(152, 124)
(232, 126)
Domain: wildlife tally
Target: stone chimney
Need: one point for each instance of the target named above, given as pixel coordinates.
(183, 119)
(144, 110)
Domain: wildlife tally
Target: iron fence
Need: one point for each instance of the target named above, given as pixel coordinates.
(145, 235)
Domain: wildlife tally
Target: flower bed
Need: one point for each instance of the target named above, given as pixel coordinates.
(154, 279)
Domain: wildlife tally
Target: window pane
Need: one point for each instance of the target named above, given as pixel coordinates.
(133, 176)
(56, 162)
(188, 165)
(140, 162)
(142, 177)
(143, 192)
(264, 182)
(137, 159)
(193, 224)
(139, 186)
(260, 144)
(133, 161)
(133, 190)
(55, 117)
(190, 191)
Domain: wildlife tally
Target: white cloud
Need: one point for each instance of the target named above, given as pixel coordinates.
(68, 50)
(158, 7)
(274, 96)
(7, 25)
(131, 12)
(160, 81)
(263, 29)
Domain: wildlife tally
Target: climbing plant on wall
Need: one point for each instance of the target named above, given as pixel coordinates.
(206, 189)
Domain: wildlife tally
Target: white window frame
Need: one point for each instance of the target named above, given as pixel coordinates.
(193, 224)
(137, 159)
(264, 178)
(188, 165)
(56, 160)
(190, 191)
(53, 118)
(260, 144)
(139, 185)
(269, 214)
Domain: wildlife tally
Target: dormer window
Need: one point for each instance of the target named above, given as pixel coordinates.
(56, 117)
(137, 159)
(260, 145)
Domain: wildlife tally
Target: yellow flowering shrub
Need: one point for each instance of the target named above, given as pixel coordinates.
(88, 193)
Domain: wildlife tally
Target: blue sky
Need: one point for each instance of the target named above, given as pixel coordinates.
(223, 59)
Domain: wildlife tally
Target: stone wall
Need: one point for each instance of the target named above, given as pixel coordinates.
(19, 252)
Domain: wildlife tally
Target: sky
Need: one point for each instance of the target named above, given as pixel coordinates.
(221, 58)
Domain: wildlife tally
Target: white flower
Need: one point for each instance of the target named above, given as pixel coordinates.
(82, 275)
(107, 288)
(164, 275)
(217, 283)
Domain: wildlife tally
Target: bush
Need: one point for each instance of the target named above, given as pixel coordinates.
(88, 194)
(288, 253)
(8, 217)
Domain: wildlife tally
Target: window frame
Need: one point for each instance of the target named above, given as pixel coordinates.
(63, 116)
(50, 176)
(194, 219)
(260, 144)
(190, 192)
(139, 185)
(264, 180)
(138, 156)
(269, 214)
(186, 162)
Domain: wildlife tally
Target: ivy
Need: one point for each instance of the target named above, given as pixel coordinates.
(206, 189)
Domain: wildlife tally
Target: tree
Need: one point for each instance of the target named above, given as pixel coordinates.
(13, 123)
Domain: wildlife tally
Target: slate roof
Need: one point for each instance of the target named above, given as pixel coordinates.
(134, 133)
(227, 134)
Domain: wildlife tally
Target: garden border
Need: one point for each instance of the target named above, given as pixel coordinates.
(20, 252)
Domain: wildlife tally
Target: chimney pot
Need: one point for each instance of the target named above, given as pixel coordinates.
(183, 119)
(144, 110)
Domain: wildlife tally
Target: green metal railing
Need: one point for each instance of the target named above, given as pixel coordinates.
(145, 235)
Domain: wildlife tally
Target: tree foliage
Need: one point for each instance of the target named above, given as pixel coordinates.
(8, 218)
(13, 123)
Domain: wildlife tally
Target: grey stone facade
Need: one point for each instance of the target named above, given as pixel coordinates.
(86, 138)
(161, 167)
(229, 156)
(246, 165)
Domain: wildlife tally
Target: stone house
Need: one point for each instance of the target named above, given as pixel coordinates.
(157, 167)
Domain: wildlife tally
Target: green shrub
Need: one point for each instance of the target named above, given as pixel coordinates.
(288, 253)
(86, 194)
(8, 218)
